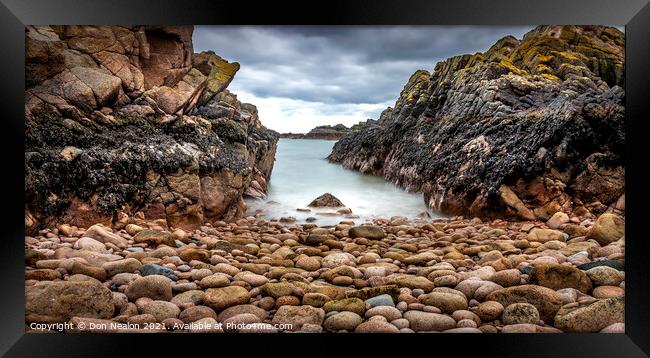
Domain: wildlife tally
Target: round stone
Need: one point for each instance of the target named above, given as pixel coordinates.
(294, 317)
(614, 328)
(608, 292)
(161, 310)
(445, 281)
(214, 281)
(240, 309)
(517, 313)
(400, 323)
(426, 321)
(342, 321)
(315, 299)
(347, 304)
(375, 326)
(338, 259)
(388, 312)
(224, 297)
(198, 275)
(446, 302)
(287, 300)
(466, 323)
(489, 310)
(254, 279)
(381, 300)
(308, 263)
(507, 278)
(195, 313)
(342, 280)
(605, 276)
(156, 287)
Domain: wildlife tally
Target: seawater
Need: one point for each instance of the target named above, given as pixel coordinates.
(301, 173)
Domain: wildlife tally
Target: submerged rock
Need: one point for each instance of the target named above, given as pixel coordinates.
(326, 200)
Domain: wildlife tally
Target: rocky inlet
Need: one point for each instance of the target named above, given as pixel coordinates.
(445, 275)
(138, 157)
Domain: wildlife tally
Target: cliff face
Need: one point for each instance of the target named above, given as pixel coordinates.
(128, 121)
(526, 129)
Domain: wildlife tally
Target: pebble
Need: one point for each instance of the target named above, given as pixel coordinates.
(156, 287)
(296, 316)
(195, 313)
(347, 304)
(605, 276)
(214, 281)
(445, 302)
(161, 310)
(402, 306)
(388, 312)
(375, 326)
(489, 310)
(614, 328)
(342, 321)
(520, 313)
(608, 292)
(153, 269)
(381, 300)
(308, 263)
(400, 323)
(452, 275)
(425, 321)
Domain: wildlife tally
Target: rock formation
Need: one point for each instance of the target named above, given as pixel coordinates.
(129, 121)
(524, 130)
(328, 132)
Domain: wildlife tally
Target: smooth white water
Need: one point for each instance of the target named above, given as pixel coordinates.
(301, 173)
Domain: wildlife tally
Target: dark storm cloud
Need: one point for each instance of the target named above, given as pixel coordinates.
(339, 65)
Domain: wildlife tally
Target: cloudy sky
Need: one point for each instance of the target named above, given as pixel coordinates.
(300, 77)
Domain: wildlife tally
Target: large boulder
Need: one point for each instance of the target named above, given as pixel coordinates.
(607, 228)
(590, 316)
(558, 276)
(58, 301)
(546, 300)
